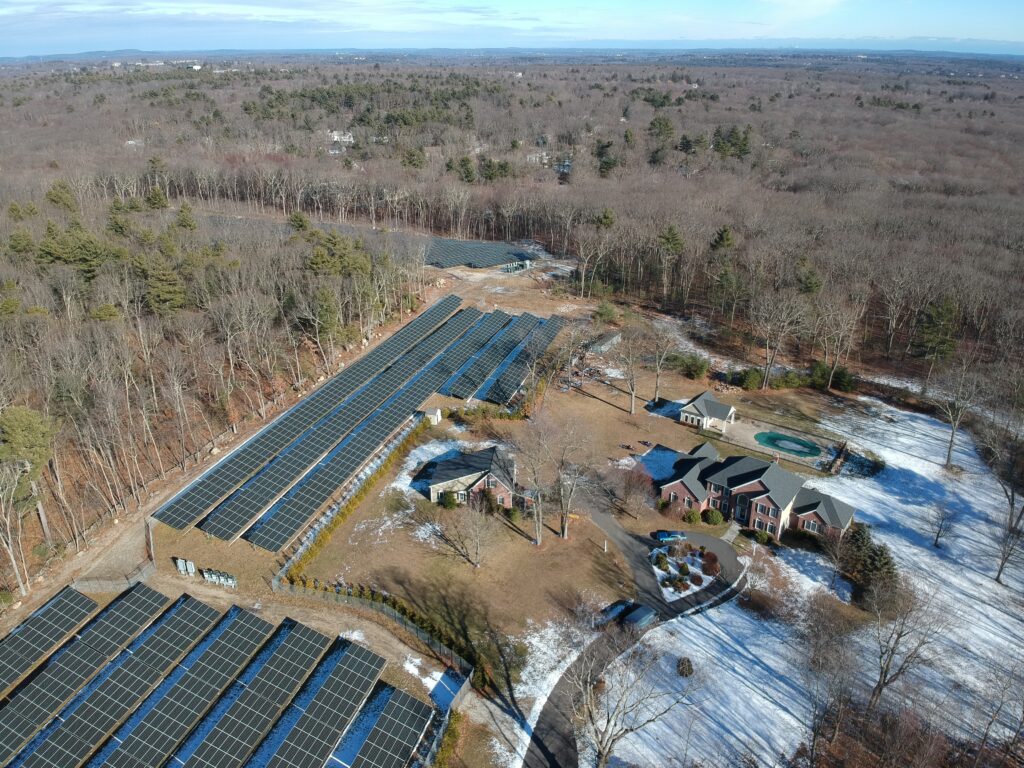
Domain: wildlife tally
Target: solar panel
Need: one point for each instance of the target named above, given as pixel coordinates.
(240, 510)
(72, 742)
(243, 726)
(446, 253)
(511, 379)
(318, 730)
(33, 640)
(67, 672)
(494, 353)
(396, 733)
(198, 498)
(167, 724)
(494, 322)
(320, 485)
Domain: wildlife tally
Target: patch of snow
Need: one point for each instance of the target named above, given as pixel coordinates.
(551, 648)
(353, 635)
(809, 571)
(441, 684)
(626, 462)
(421, 454)
(614, 373)
(746, 700)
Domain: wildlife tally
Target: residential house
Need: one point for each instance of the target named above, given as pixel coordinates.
(755, 493)
(705, 411)
(469, 474)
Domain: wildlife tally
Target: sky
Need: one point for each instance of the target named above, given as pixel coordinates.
(35, 27)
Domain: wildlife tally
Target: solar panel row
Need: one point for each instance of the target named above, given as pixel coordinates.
(493, 355)
(495, 322)
(69, 670)
(80, 734)
(318, 730)
(511, 379)
(446, 253)
(34, 639)
(396, 733)
(167, 724)
(320, 485)
(196, 500)
(239, 732)
(241, 509)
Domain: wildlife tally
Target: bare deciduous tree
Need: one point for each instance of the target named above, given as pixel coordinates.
(941, 519)
(10, 522)
(775, 318)
(906, 623)
(958, 390)
(629, 356)
(611, 702)
(464, 532)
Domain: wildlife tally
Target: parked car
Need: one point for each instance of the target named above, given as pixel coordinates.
(638, 618)
(667, 536)
(611, 612)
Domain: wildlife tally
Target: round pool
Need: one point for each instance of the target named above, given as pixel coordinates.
(796, 446)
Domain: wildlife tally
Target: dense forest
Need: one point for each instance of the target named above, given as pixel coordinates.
(864, 210)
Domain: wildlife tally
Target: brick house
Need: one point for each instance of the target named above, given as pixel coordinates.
(755, 493)
(469, 474)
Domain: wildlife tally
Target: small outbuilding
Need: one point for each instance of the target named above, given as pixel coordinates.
(705, 411)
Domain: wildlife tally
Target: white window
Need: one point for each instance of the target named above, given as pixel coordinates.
(491, 482)
(759, 524)
(461, 495)
(715, 503)
(811, 525)
(501, 500)
(689, 502)
(771, 528)
(761, 508)
(773, 512)
(673, 496)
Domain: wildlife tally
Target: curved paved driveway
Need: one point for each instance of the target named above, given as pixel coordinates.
(553, 743)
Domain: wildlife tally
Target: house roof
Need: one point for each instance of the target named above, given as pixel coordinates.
(666, 466)
(476, 463)
(835, 513)
(707, 405)
(737, 471)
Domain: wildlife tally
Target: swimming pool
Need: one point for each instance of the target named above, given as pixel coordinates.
(796, 446)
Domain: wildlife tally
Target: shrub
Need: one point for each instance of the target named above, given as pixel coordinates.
(684, 666)
(712, 568)
(762, 537)
(692, 516)
(696, 579)
(6, 598)
(789, 380)
(714, 517)
(445, 757)
(448, 500)
(692, 366)
(606, 312)
(752, 378)
(661, 561)
(842, 379)
(681, 585)
(684, 569)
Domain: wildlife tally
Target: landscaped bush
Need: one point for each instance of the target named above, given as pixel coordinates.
(696, 579)
(692, 516)
(789, 380)
(842, 379)
(714, 517)
(448, 500)
(684, 667)
(712, 569)
(762, 537)
(661, 561)
(684, 569)
(681, 585)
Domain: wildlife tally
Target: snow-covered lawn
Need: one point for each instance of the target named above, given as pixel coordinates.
(693, 563)
(752, 697)
(551, 648)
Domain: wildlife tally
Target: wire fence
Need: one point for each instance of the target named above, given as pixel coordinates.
(116, 583)
(344, 596)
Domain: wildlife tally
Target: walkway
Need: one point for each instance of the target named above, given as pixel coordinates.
(553, 744)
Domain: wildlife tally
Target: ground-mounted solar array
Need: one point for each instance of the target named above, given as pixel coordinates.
(446, 253)
(500, 346)
(508, 381)
(201, 496)
(150, 682)
(35, 637)
(281, 480)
